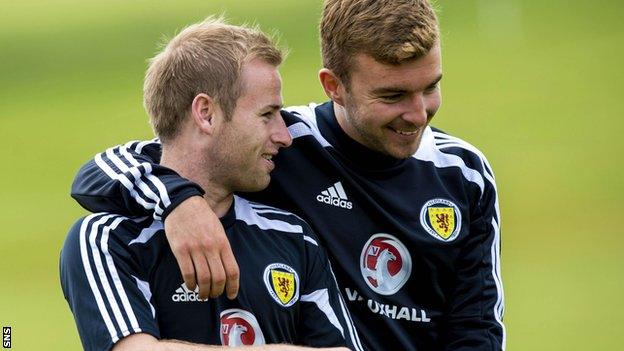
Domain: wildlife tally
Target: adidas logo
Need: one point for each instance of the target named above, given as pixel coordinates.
(335, 196)
(184, 294)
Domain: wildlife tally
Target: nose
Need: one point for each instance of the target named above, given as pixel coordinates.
(281, 135)
(416, 111)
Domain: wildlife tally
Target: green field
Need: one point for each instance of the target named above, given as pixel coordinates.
(534, 84)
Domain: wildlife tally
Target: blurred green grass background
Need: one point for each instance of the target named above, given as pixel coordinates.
(536, 85)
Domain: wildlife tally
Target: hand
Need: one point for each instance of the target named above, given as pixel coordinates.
(201, 248)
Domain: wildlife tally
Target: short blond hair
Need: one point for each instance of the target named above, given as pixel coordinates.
(390, 31)
(205, 57)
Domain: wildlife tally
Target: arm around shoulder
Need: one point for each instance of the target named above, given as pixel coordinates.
(127, 179)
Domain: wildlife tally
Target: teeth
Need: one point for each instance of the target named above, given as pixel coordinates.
(402, 132)
(268, 157)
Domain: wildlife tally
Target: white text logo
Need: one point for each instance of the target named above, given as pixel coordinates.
(335, 196)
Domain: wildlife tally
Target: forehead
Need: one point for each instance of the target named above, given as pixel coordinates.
(412, 74)
(260, 82)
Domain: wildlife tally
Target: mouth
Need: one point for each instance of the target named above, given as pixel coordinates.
(269, 160)
(404, 132)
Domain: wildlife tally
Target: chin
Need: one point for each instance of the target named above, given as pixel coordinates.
(401, 155)
(258, 183)
(403, 152)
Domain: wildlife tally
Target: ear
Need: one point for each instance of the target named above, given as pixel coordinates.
(203, 113)
(334, 88)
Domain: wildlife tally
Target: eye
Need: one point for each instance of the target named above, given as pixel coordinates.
(392, 97)
(431, 89)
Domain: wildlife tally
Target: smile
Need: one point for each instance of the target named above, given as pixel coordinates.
(269, 161)
(404, 132)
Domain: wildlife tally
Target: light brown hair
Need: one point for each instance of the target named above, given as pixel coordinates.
(390, 31)
(205, 57)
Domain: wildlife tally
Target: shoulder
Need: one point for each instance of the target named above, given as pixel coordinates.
(99, 223)
(302, 122)
(150, 147)
(302, 113)
(452, 145)
(271, 218)
(104, 241)
(111, 232)
(447, 151)
(88, 242)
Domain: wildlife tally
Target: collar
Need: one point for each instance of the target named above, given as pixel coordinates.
(351, 151)
(230, 216)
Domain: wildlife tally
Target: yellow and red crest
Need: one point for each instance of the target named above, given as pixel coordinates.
(441, 218)
(282, 282)
(283, 285)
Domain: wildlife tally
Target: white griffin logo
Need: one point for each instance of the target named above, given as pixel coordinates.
(236, 335)
(381, 274)
(240, 328)
(385, 264)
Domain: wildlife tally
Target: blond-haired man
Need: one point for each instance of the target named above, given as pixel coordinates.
(214, 96)
(408, 213)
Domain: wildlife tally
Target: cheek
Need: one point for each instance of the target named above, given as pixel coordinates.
(433, 102)
(380, 114)
(250, 144)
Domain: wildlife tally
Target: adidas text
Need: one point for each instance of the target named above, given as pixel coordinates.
(183, 294)
(335, 195)
(334, 201)
(187, 297)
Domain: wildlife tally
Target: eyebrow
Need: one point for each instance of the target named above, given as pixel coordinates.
(273, 107)
(387, 90)
(435, 81)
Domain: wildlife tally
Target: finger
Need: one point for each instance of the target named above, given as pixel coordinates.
(232, 272)
(186, 268)
(217, 274)
(202, 274)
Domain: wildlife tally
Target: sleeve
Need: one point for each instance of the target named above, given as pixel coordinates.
(325, 321)
(127, 179)
(106, 290)
(477, 305)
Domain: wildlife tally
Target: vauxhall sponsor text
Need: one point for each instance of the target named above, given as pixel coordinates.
(390, 311)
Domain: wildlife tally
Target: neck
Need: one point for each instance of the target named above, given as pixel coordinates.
(191, 163)
(340, 113)
(341, 117)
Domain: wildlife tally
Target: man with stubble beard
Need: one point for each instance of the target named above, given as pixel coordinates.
(409, 214)
(214, 97)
